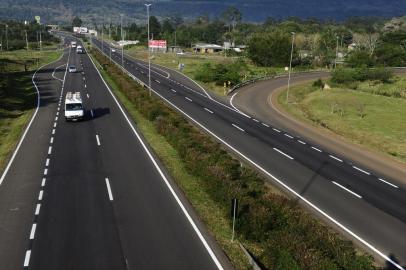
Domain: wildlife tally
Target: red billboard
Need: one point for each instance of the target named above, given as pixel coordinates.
(157, 44)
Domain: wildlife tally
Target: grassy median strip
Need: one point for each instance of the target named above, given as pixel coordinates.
(274, 228)
(360, 116)
(17, 96)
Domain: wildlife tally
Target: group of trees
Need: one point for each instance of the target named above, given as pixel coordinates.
(269, 44)
(13, 35)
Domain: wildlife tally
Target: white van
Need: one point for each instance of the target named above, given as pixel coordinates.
(73, 44)
(74, 109)
(79, 49)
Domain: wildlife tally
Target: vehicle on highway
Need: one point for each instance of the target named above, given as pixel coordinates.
(79, 49)
(72, 69)
(74, 109)
(113, 50)
(73, 44)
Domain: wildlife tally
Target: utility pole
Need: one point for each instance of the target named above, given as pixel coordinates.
(40, 40)
(290, 67)
(335, 61)
(110, 29)
(149, 53)
(26, 39)
(122, 43)
(7, 37)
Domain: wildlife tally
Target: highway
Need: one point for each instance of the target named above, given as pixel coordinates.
(356, 201)
(90, 194)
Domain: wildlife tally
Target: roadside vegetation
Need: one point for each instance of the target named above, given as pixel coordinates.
(271, 226)
(17, 95)
(365, 106)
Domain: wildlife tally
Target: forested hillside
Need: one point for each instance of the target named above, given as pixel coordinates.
(253, 10)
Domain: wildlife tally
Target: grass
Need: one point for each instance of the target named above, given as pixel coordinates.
(17, 97)
(194, 61)
(192, 186)
(375, 121)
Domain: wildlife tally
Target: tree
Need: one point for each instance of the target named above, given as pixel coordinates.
(77, 22)
(267, 49)
(360, 58)
(154, 26)
(232, 16)
(167, 27)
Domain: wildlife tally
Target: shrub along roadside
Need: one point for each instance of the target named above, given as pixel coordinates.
(287, 237)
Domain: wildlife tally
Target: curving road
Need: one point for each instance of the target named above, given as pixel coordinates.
(351, 197)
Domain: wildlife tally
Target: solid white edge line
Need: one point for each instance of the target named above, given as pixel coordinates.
(234, 107)
(280, 152)
(189, 218)
(361, 170)
(98, 140)
(348, 190)
(109, 189)
(237, 127)
(336, 158)
(33, 228)
(316, 149)
(10, 162)
(27, 258)
(388, 183)
(367, 244)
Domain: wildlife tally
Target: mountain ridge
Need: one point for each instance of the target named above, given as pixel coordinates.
(60, 11)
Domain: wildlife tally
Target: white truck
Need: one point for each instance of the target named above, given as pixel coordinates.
(73, 44)
(74, 109)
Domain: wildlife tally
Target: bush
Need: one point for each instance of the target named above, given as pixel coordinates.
(289, 238)
(348, 76)
(359, 59)
(220, 73)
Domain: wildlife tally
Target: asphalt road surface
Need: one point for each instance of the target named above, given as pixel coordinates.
(89, 194)
(365, 205)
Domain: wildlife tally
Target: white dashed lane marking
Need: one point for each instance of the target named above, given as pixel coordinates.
(265, 125)
(237, 127)
(98, 140)
(109, 189)
(282, 153)
(37, 209)
(208, 110)
(27, 258)
(388, 183)
(33, 229)
(316, 149)
(277, 130)
(188, 99)
(302, 142)
(336, 158)
(361, 170)
(287, 135)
